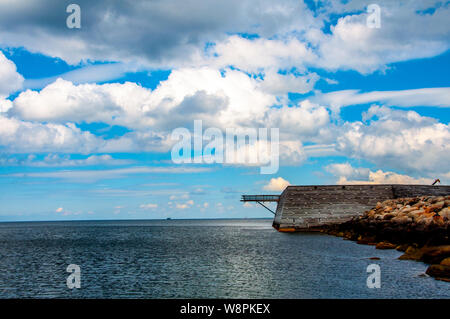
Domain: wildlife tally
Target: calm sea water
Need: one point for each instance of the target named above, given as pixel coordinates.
(197, 259)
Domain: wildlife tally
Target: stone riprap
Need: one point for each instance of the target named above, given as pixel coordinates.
(419, 226)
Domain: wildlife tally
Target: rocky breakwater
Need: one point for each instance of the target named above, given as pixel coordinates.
(418, 226)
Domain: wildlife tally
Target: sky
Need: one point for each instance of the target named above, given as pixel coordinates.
(87, 114)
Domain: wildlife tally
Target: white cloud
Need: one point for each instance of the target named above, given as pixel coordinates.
(230, 99)
(185, 205)
(203, 86)
(276, 184)
(93, 175)
(56, 160)
(304, 120)
(347, 171)
(246, 53)
(289, 34)
(65, 212)
(11, 81)
(148, 206)
(187, 95)
(187, 26)
(347, 174)
(280, 84)
(5, 105)
(180, 196)
(85, 74)
(437, 97)
(350, 44)
(62, 101)
(27, 137)
(223, 100)
(402, 36)
(321, 150)
(398, 139)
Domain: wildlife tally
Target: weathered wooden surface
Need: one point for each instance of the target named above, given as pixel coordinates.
(306, 207)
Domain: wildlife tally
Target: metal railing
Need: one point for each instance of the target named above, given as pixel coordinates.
(260, 198)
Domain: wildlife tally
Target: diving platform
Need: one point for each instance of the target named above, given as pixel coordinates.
(260, 199)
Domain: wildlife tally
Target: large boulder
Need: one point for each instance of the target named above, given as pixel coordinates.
(434, 255)
(412, 253)
(446, 262)
(440, 272)
(385, 245)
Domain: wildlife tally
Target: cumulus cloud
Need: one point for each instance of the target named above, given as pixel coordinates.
(349, 44)
(228, 82)
(62, 101)
(307, 120)
(11, 80)
(44, 121)
(398, 139)
(288, 32)
(5, 105)
(191, 93)
(276, 184)
(246, 53)
(229, 99)
(124, 31)
(348, 174)
(26, 137)
(347, 171)
(352, 45)
(280, 84)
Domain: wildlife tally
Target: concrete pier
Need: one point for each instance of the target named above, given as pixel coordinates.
(302, 208)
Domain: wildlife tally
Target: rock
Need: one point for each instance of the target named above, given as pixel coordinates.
(412, 253)
(445, 262)
(438, 220)
(366, 240)
(418, 226)
(445, 213)
(419, 204)
(385, 245)
(401, 220)
(440, 272)
(435, 254)
(402, 247)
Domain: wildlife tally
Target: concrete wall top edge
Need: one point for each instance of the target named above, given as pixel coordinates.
(393, 187)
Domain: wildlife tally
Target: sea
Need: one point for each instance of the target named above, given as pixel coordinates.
(242, 258)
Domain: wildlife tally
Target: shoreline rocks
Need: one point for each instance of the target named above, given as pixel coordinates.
(418, 226)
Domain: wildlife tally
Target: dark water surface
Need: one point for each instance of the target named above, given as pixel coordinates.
(197, 259)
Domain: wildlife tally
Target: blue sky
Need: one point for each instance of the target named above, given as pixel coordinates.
(86, 114)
